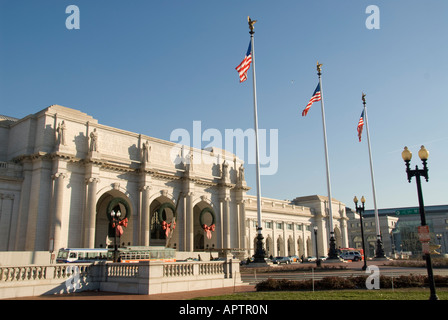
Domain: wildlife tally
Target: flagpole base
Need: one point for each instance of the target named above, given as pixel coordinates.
(379, 249)
(260, 253)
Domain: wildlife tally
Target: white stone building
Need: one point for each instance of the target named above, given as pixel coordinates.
(62, 173)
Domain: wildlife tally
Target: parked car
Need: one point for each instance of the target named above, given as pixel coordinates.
(310, 259)
(322, 258)
(351, 255)
(280, 260)
(294, 258)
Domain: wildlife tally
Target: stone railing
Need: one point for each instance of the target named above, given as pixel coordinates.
(136, 278)
(33, 280)
(161, 277)
(122, 270)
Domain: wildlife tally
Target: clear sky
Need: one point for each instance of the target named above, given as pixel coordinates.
(154, 66)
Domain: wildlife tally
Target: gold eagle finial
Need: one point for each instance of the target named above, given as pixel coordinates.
(319, 67)
(363, 97)
(251, 23)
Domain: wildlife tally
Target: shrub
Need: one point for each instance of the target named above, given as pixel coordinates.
(359, 282)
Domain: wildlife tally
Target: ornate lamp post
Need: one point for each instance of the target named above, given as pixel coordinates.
(439, 239)
(317, 247)
(115, 217)
(417, 173)
(360, 210)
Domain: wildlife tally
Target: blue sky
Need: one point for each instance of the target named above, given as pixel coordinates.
(154, 66)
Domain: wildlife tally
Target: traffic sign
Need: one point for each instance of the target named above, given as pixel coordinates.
(423, 234)
(403, 212)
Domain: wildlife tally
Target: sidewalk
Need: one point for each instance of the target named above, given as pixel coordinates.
(98, 295)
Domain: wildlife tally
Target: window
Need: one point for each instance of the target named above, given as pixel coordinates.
(268, 225)
(299, 227)
(289, 226)
(279, 225)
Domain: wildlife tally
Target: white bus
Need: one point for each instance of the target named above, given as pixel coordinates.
(69, 255)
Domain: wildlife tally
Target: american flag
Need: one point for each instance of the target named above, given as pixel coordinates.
(245, 64)
(316, 97)
(360, 125)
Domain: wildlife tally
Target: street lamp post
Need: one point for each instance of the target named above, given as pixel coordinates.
(439, 239)
(115, 222)
(317, 247)
(417, 173)
(360, 209)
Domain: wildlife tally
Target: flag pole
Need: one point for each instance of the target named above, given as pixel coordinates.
(379, 243)
(332, 254)
(259, 251)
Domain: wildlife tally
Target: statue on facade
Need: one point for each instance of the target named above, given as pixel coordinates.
(146, 148)
(94, 140)
(61, 133)
(241, 176)
(225, 168)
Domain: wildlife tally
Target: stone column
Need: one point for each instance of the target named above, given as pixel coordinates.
(241, 222)
(6, 205)
(226, 214)
(90, 221)
(144, 227)
(58, 195)
(190, 222)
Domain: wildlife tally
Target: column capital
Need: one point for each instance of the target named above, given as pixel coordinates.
(92, 179)
(145, 188)
(58, 175)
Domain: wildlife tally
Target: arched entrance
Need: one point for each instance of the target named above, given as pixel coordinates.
(338, 238)
(204, 228)
(113, 200)
(280, 246)
(162, 223)
(269, 245)
(309, 247)
(290, 246)
(300, 248)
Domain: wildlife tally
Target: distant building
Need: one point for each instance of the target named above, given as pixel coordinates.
(399, 229)
(387, 224)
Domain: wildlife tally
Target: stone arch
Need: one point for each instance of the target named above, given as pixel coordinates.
(371, 245)
(104, 233)
(280, 246)
(204, 216)
(300, 248)
(162, 215)
(309, 247)
(338, 237)
(269, 245)
(290, 246)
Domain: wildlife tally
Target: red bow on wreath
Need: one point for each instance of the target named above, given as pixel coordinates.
(167, 227)
(208, 230)
(118, 229)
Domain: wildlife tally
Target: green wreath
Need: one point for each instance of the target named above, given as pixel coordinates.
(163, 207)
(204, 211)
(114, 202)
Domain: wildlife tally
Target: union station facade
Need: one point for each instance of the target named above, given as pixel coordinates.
(62, 173)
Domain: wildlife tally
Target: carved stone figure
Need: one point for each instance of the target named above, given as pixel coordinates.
(145, 151)
(225, 167)
(94, 140)
(241, 173)
(61, 133)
